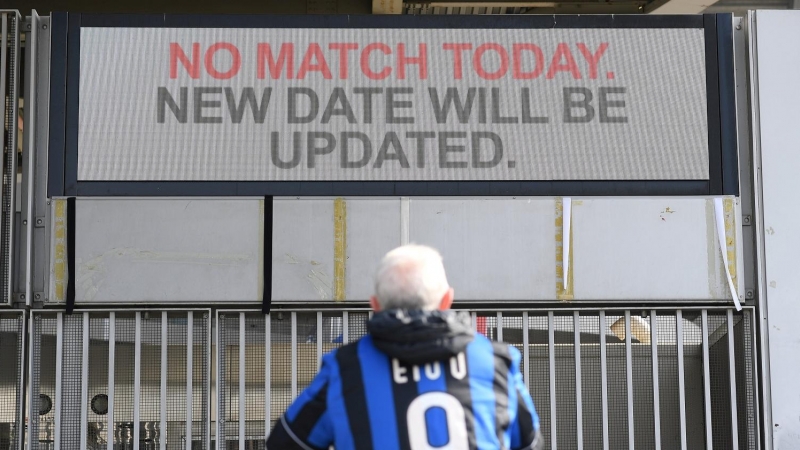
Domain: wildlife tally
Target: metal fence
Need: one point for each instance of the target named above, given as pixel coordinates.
(600, 379)
(12, 345)
(9, 100)
(114, 376)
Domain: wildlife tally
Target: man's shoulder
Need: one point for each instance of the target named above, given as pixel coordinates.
(346, 351)
(502, 350)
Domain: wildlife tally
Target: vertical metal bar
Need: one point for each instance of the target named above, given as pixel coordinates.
(24, 377)
(30, 127)
(654, 360)
(604, 378)
(499, 326)
(526, 351)
(732, 367)
(294, 355)
(242, 380)
(137, 379)
(706, 382)
(405, 216)
(629, 378)
(84, 379)
(576, 327)
(164, 374)
(756, 401)
(765, 391)
(345, 328)
(222, 396)
(3, 81)
(474, 316)
(681, 382)
(112, 338)
(267, 375)
(59, 374)
(319, 340)
(189, 378)
(33, 428)
(206, 424)
(551, 351)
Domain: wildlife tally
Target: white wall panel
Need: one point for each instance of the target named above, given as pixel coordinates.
(168, 250)
(373, 228)
(302, 249)
(494, 249)
(647, 249)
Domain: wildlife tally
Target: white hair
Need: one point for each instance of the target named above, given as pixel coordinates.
(411, 277)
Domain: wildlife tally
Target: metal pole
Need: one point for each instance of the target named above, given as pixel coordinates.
(629, 378)
(551, 350)
(137, 380)
(576, 327)
(112, 338)
(164, 374)
(294, 355)
(189, 378)
(681, 382)
(267, 375)
(345, 328)
(242, 380)
(319, 340)
(526, 364)
(604, 378)
(59, 375)
(30, 127)
(84, 380)
(732, 367)
(656, 398)
(499, 326)
(707, 381)
(758, 209)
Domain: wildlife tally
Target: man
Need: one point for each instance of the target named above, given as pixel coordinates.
(419, 380)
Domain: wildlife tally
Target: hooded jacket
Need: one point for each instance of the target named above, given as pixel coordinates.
(419, 380)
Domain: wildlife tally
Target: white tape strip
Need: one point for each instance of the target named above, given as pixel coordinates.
(719, 214)
(567, 217)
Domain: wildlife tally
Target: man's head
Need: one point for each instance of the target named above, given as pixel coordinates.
(411, 277)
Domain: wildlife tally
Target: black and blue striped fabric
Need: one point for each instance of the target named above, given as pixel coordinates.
(364, 399)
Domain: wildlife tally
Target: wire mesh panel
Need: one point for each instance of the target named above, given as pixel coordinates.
(642, 360)
(743, 349)
(565, 389)
(107, 373)
(282, 370)
(617, 385)
(591, 401)
(43, 346)
(97, 384)
(539, 369)
(693, 379)
(70, 382)
(667, 371)
(720, 380)
(10, 33)
(12, 341)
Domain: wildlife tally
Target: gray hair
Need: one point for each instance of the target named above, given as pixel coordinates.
(411, 277)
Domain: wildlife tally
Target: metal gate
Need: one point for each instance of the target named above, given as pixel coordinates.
(12, 351)
(136, 374)
(600, 378)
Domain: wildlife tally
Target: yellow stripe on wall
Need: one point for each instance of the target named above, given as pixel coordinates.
(730, 236)
(561, 293)
(60, 251)
(339, 248)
